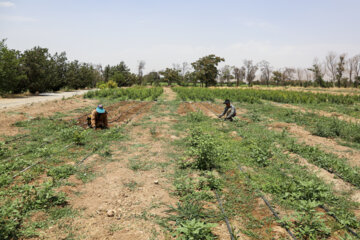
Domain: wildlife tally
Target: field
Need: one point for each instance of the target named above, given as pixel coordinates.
(287, 167)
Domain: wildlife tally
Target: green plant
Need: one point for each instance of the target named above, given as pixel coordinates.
(195, 230)
(61, 172)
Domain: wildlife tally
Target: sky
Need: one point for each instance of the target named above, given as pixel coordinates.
(287, 33)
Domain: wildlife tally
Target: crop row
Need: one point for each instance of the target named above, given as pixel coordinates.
(255, 95)
(132, 93)
(272, 171)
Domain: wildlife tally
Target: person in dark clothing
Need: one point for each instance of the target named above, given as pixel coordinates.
(98, 118)
(229, 111)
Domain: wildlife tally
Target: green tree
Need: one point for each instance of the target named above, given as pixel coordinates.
(340, 69)
(206, 69)
(119, 78)
(12, 77)
(277, 77)
(152, 78)
(57, 70)
(106, 73)
(318, 75)
(38, 69)
(171, 75)
(123, 75)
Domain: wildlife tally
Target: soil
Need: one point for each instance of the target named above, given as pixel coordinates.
(169, 94)
(14, 114)
(325, 144)
(119, 113)
(184, 108)
(319, 112)
(122, 203)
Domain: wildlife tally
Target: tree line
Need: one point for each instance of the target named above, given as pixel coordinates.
(36, 71)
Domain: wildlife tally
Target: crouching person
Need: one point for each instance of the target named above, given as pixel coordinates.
(229, 110)
(99, 118)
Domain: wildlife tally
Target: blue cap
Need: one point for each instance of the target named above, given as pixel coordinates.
(100, 109)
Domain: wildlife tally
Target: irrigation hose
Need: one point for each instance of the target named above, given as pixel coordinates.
(269, 205)
(337, 219)
(36, 163)
(232, 236)
(17, 138)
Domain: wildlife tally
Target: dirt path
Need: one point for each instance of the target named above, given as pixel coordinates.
(6, 103)
(9, 117)
(325, 144)
(318, 112)
(170, 95)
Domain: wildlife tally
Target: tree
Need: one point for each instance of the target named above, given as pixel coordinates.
(357, 70)
(37, 68)
(206, 69)
(330, 65)
(318, 75)
(239, 74)
(340, 69)
(58, 70)
(153, 78)
(141, 68)
(251, 70)
(266, 71)
(277, 77)
(352, 66)
(12, 77)
(288, 74)
(106, 73)
(226, 74)
(171, 75)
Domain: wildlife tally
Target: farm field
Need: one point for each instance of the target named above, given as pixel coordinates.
(288, 167)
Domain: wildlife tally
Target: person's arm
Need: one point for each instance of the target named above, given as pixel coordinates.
(231, 114)
(225, 110)
(93, 119)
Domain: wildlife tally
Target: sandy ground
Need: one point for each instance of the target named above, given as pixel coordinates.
(23, 112)
(6, 103)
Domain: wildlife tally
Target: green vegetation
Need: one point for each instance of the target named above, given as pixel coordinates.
(134, 93)
(23, 161)
(272, 171)
(256, 95)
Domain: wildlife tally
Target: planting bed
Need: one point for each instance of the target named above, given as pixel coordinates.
(169, 169)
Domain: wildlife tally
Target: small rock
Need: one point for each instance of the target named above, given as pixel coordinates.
(156, 182)
(99, 195)
(110, 213)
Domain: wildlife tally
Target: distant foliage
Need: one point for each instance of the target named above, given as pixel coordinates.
(255, 96)
(134, 93)
(36, 70)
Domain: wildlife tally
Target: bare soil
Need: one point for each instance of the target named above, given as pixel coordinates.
(184, 108)
(12, 115)
(325, 144)
(170, 95)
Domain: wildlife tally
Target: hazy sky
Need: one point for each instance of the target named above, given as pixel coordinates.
(284, 32)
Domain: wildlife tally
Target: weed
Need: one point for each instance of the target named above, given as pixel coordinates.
(131, 185)
(195, 230)
(61, 172)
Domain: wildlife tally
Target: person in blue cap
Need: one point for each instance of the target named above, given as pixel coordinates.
(229, 110)
(99, 118)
